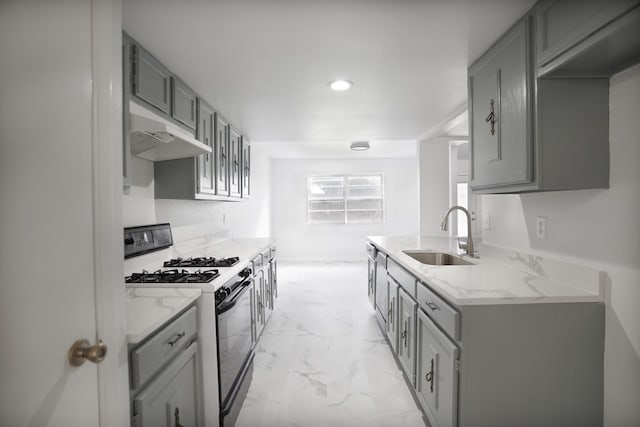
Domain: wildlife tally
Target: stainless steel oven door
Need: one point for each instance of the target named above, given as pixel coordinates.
(234, 340)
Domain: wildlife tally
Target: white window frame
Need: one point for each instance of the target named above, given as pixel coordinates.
(345, 199)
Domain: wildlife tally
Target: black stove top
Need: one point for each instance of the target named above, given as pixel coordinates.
(202, 262)
(173, 276)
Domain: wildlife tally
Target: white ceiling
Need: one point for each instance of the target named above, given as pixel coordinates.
(265, 64)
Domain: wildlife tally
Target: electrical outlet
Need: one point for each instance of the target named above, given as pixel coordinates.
(486, 221)
(541, 227)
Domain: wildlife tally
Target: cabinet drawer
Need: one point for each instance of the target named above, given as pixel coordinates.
(439, 311)
(402, 276)
(266, 255)
(151, 356)
(371, 251)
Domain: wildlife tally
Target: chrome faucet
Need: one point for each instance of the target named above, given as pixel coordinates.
(468, 247)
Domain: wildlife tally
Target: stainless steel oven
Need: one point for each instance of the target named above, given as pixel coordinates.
(235, 354)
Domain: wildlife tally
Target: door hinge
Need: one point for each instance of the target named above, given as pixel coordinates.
(135, 421)
(458, 365)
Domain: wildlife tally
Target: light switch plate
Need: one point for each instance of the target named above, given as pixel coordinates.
(541, 227)
(486, 221)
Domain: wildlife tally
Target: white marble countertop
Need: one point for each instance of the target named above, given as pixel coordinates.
(150, 308)
(498, 276)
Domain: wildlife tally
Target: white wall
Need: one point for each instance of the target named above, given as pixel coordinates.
(246, 218)
(434, 184)
(298, 240)
(599, 228)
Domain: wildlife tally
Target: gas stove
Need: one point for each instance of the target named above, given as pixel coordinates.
(143, 240)
(173, 276)
(202, 262)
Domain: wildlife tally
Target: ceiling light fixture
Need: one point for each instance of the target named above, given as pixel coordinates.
(360, 145)
(340, 84)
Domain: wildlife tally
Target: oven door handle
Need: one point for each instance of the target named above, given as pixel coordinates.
(228, 305)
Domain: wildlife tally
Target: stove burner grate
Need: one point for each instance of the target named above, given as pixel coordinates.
(202, 262)
(173, 276)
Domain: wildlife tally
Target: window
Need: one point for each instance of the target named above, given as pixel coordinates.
(345, 198)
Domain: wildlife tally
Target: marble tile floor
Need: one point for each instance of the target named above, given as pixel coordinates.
(322, 359)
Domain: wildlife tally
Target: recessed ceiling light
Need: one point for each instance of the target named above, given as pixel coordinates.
(360, 145)
(340, 84)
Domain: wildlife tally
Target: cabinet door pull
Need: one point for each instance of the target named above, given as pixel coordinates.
(432, 306)
(429, 377)
(177, 337)
(176, 415)
(491, 118)
(404, 333)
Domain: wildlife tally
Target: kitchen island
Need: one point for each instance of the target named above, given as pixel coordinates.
(507, 339)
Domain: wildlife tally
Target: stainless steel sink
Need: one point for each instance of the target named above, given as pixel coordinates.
(437, 258)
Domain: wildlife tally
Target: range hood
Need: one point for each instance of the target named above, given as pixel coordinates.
(155, 138)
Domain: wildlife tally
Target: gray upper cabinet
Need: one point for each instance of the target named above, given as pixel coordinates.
(235, 173)
(206, 173)
(500, 112)
(221, 156)
(183, 103)
(563, 25)
(246, 167)
(150, 79)
(534, 134)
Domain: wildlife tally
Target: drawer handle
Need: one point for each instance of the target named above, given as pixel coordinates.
(432, 306)
(429, 377)
(177, 337)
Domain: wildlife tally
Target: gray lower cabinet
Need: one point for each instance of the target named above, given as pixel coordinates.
(246, 167)
(183, 103)
(221, 155)
(371, 281)
(273, 272)
(204, 131)
(165, 376)
(382, 292)
(392, 313)
(150, 79)
(268, 293)
(526, 364)
(265, 276)
(406, 333)
(172, 398)
(436, 373)
(235, 163)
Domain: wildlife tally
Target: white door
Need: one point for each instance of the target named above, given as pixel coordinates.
(51, 193)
